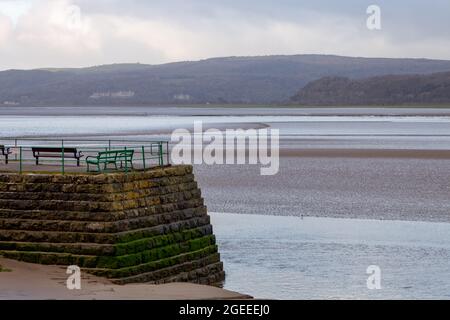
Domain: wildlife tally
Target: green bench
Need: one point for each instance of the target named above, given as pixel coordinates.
(111, 157)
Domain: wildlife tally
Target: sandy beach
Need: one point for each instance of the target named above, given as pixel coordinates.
(25, 281)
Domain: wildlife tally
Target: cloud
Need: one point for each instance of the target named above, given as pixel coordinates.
(13, 9)
(5, 30)
(73, 33)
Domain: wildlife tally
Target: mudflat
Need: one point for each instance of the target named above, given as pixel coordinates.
(410, 185)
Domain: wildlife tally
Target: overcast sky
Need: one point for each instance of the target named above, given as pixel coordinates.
(75, 33)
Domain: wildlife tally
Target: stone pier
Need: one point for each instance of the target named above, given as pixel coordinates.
(145, 226)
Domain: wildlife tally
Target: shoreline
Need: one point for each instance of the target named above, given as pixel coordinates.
(143, 111)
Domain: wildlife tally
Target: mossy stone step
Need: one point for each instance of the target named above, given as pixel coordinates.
(101, 227)
(118, 194)
(204, 274)
(110, 262)
(110, 249)
(98, 206)
(155, 265)
(149, 225)
(101, 238)
(110, 178)
(190, 271)
(99, 216)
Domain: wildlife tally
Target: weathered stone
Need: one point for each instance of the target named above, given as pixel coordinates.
(191, 271)
(155, 265)
(142, 226)
(102, 227)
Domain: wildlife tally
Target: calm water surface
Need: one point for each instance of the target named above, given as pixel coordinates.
(324, 258)
(289, 125)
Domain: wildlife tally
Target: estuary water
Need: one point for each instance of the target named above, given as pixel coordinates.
(325, 258)
(14, 126)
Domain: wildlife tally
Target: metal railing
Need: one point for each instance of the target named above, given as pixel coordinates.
(21, 158)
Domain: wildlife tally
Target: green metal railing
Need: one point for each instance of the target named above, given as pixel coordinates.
(147, 152)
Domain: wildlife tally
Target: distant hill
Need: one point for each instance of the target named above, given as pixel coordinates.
(383, 90)
(250, 80)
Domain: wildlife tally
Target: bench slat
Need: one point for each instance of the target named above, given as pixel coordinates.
(56, 152)
(111, 157)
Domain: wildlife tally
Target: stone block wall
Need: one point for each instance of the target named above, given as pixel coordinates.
(149, 226)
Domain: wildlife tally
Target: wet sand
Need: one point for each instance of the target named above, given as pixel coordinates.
(28, 281)
(365, 184)
(366, 153)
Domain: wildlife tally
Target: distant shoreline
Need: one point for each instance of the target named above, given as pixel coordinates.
(239, 105)
(224, 110)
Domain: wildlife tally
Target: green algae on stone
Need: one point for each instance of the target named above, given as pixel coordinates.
(142, 226)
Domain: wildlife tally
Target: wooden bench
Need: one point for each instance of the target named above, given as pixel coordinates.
(114, 157)
(5, 151)
(56, 152)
